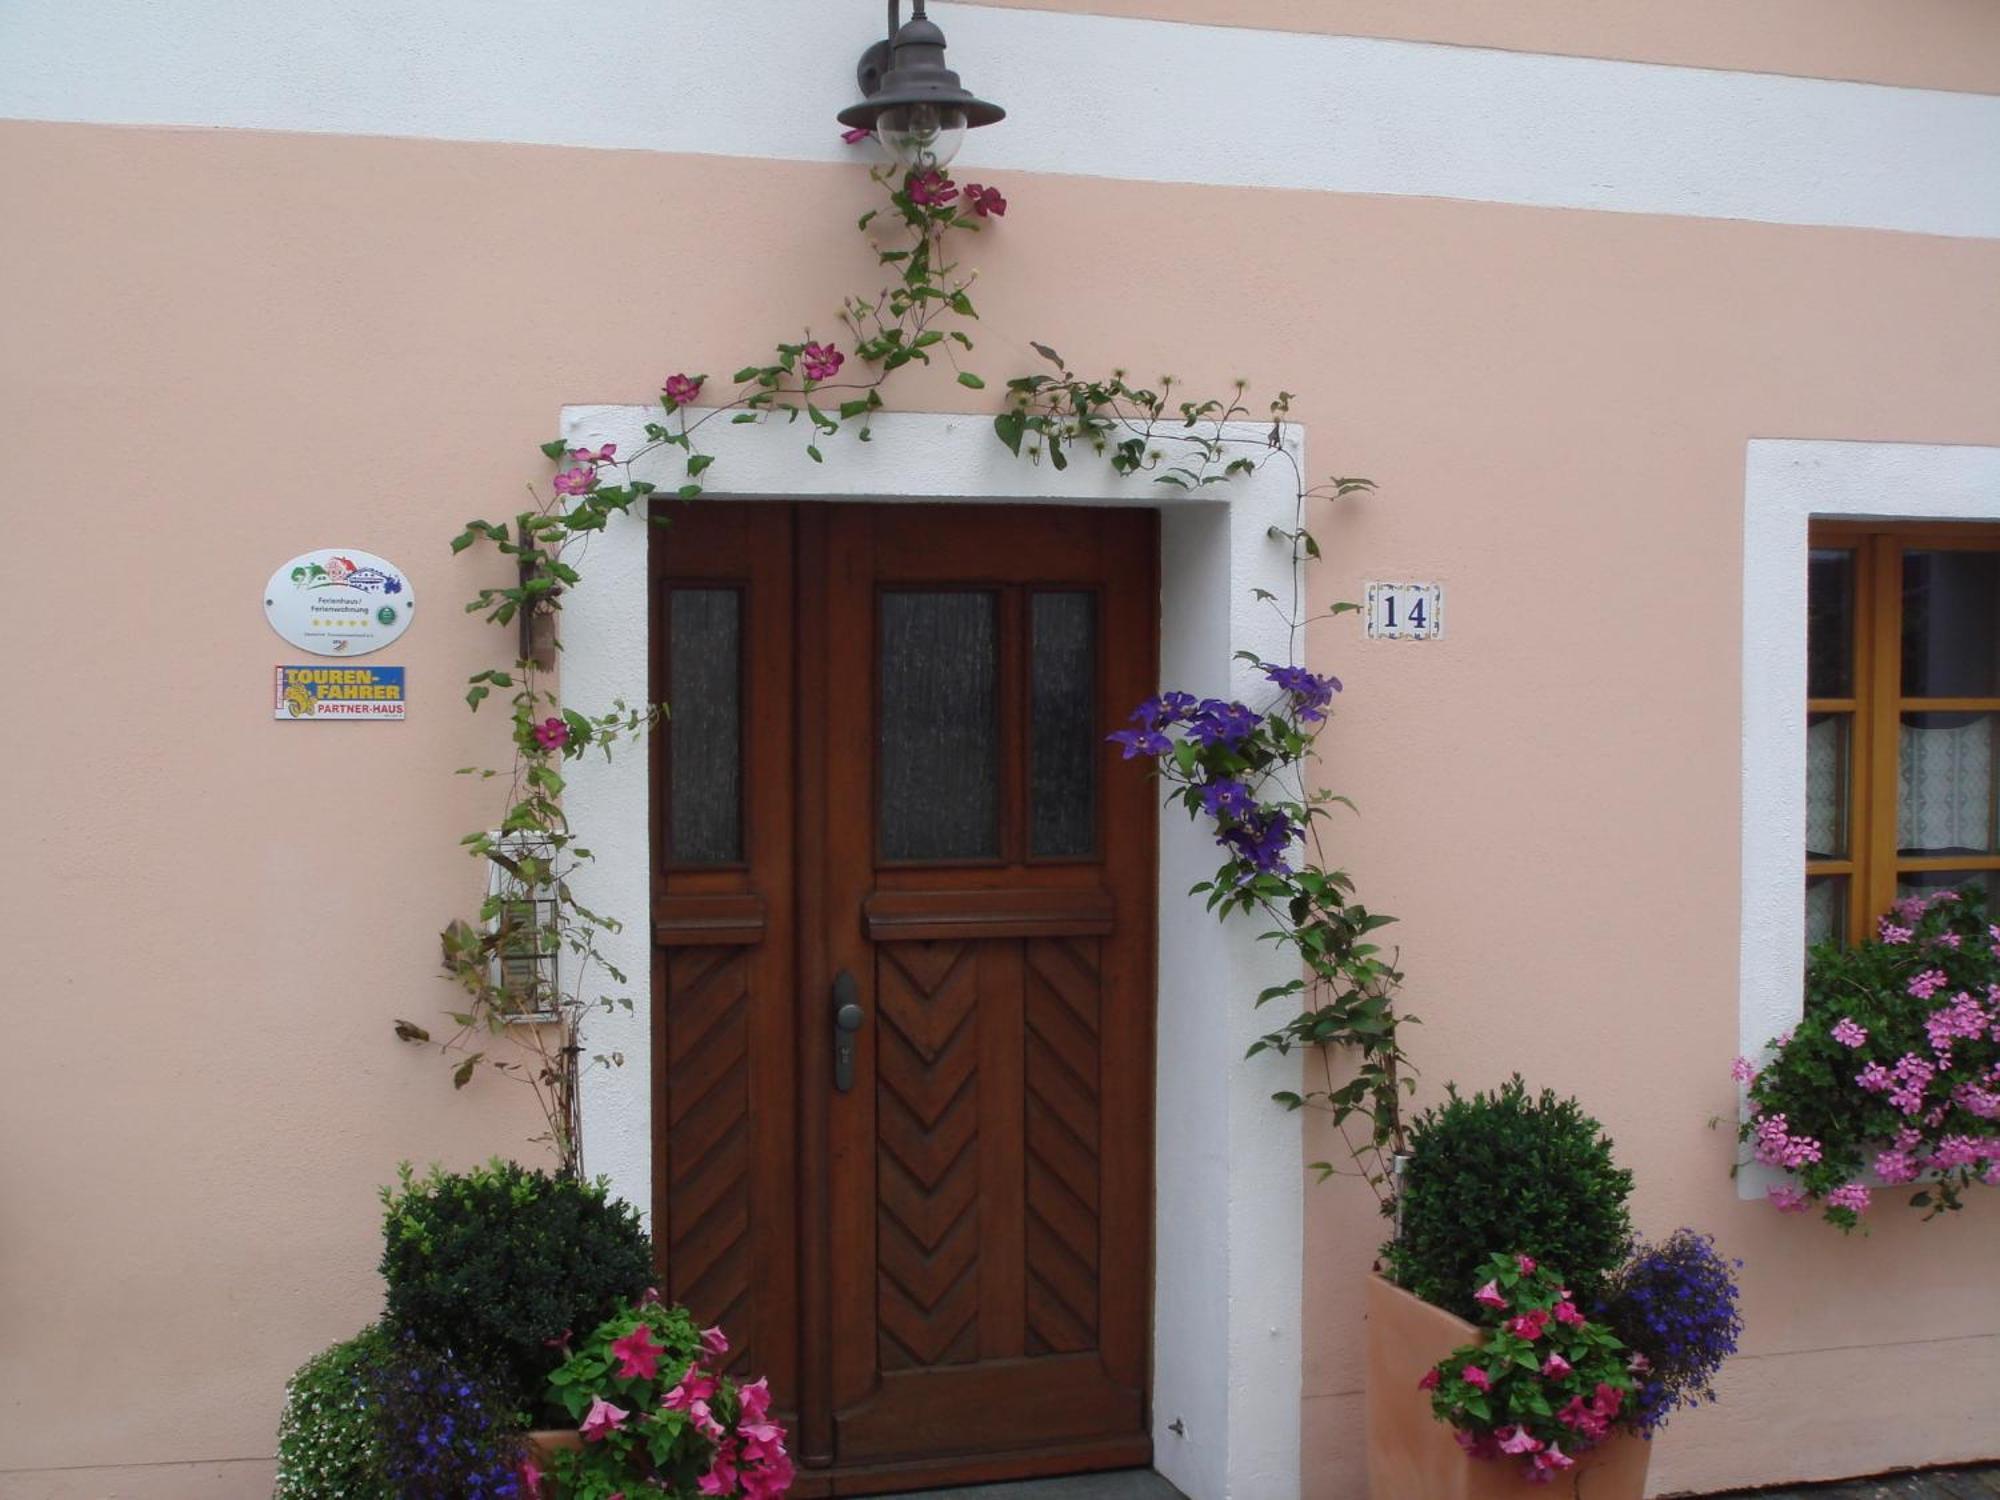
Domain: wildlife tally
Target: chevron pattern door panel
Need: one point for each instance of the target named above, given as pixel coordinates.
(902, 1046)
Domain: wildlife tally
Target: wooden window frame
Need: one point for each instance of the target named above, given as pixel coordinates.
(1874, 864)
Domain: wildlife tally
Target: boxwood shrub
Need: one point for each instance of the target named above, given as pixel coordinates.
(498, 1266)
(1508, 1173)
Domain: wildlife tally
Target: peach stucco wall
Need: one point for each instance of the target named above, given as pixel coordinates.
(227, 347)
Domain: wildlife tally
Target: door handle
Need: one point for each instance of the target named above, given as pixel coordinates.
(847, 1019)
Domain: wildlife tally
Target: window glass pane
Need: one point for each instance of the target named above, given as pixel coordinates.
(1063, 723)
(1944, 801)
(1826, 908)
(704, 726)
(938, 739)
(1951, 624)
(1830, 624)
(1826, 785)
(1930, 882)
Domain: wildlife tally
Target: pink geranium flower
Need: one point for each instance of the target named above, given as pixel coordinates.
(1489, 1295)
(637, 1355)
(1785, 1198)
(602, 1418)
(1849, 1033)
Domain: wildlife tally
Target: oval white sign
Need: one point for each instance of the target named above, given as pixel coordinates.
(339, 601)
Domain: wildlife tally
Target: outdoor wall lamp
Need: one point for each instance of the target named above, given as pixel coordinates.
(912, 101)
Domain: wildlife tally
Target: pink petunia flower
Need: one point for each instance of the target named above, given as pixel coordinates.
(602, 1418)
(637, 1355)
(1489, 1295)
(1566, 1314)
(531, 1478)
(715, 1341)
(1638, 1364)
(1477, 1378)
(1555, 1367)
(692, 1387)
(1529, 1325)
(1517, 1439)
(1526, 1263)
(1429, 1381)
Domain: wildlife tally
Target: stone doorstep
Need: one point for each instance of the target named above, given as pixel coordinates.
(1977, 1482)
(1120, 1484)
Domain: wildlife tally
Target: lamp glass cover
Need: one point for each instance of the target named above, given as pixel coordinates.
(922, 137)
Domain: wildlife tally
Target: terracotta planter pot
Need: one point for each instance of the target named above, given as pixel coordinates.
(544, 1442)
(1413, 1456)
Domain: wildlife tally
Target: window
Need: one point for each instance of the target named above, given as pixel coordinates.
(1902, 718)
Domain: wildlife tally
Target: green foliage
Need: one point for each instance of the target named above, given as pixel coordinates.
(1533, 1173)
(329, 1446)
(500, 1264)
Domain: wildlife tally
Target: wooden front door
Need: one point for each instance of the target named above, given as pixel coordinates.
(885, 791)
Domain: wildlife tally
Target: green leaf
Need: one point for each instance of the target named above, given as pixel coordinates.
(697, 462)
(814, 454)
(971, 381)
(556, 448)
(1046, 353)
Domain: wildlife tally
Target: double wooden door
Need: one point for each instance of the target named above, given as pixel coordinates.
(903, 981)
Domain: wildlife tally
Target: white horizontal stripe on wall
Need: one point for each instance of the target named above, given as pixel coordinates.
(1091, 95)
(1786, 484)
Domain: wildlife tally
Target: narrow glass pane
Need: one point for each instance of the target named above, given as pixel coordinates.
(704, 726)
(1830, 624)
(1930, 882)
(938, 739)
(1826, 908)
(1951, 624)
(1063, 739)
(1826, 785)
(1944, 802)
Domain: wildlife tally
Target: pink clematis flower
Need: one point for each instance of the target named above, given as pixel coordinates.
(715, 1341)
(857, 135)
(822, 361)
(1477, 1378)
(602, 1418)
(985, 201)
(637, 1355)
(580, 480)
(931, 189)
(552, 734)
(586, 456)
(1489, 1295)
(682, 389)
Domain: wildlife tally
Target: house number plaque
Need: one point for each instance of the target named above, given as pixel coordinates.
(1405, 611)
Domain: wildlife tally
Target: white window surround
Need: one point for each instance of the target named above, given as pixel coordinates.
(1229, 1181)
(1786, 484)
